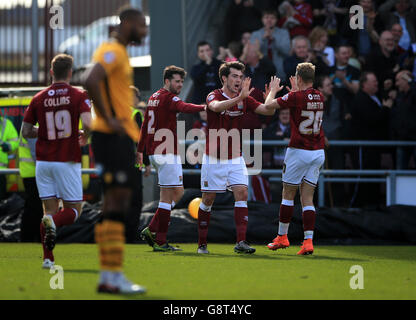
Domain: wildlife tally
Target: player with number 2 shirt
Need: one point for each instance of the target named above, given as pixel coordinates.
(159, 140)
(305, 155)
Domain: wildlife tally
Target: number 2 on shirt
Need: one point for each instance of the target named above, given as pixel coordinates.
(313, 119)
(150, 129)
(58, 124)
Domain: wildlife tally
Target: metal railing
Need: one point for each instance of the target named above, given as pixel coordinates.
(343, 176)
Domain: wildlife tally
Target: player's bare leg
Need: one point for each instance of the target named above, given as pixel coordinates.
(204, 214)
(308, 216)
(241, 219)
(285, 215)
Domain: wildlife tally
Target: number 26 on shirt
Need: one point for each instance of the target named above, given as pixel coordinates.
(312, 125)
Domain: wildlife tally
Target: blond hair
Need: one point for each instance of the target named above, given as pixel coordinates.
(306, 71)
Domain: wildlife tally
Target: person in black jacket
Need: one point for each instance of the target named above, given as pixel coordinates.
(370, 121)
(403, 117)
(205, 73)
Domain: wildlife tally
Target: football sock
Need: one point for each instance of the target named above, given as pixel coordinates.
(204, 214)
(285, 215)
(154, 222)
(241, 219)
(308, 218)
(109, 235)
(65, 217)
(163, 213)
(47, 254)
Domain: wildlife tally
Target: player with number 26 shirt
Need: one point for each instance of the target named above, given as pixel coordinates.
(305, 155)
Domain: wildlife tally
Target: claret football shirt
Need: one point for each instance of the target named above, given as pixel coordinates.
(306, 111)
(57, 110)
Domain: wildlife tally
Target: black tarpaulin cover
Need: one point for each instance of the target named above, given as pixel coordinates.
(394, 225)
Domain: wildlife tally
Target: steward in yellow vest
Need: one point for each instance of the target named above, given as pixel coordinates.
(8, 143)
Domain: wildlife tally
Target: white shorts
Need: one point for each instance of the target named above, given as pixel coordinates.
(302, 165)
(169, 169)
(218, 175)
(60, 180)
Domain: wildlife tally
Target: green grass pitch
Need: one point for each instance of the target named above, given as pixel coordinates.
(389, 273)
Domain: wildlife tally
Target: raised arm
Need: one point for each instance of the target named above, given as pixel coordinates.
(220, 106)
(275, 87)
(184, 107)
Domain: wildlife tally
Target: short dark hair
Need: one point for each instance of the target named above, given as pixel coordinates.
(170, 71)
(127, 12)
(269, 11)
(225, 68)
(61, 65)
(341, 46)
(203, 43)
(364, 77)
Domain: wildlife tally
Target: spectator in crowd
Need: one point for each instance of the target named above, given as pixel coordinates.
(405, 57)
(259, 69)
(242, 16)
(370, 120)
(231, 53)
(364, 39)
(397, 31)
(383, 61)
(297, 17)
(405, 15)
(319, 40)
(344, 77)
(274, 42)
(205, 73)
(330, 14)
(403, 117)
(277, 130)
(245, 38)
(353, 60)
(334, 117)
(302, 52)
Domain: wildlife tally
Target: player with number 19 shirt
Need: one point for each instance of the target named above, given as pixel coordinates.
(57, 109)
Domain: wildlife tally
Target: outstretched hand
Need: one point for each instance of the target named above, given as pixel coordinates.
(245, 88)
(293, 84)
(274, 85)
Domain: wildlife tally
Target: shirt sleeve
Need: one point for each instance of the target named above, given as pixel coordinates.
(252, 104)
(178, 105)
(287, 101)
(109, 58)
(85, 103)
(211, 97)
(30, 113)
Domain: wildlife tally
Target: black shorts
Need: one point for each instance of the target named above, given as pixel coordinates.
(115, 158)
